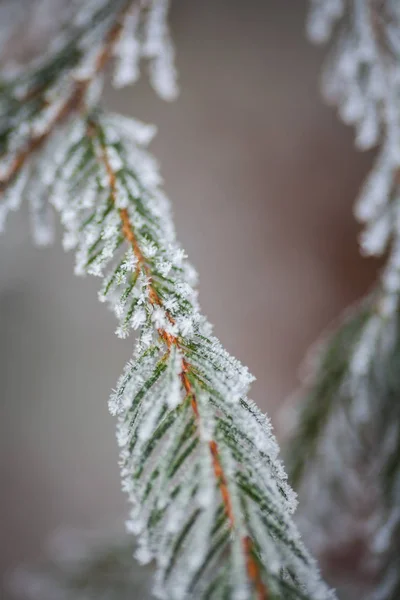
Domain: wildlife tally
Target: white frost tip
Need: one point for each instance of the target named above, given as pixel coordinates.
(143, 556)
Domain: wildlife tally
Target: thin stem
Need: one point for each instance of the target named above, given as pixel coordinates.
(171, 340)
(74, 102)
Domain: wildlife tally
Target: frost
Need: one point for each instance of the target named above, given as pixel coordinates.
(159, 49)
(364, 351)
(343, 447)
(383, 538)
(127, 51)
(374, 240)
(199, 461)
(13, 196)
(323, 15)
(167, 422)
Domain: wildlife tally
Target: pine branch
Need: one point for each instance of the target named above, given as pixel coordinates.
(348, 427)
(67, 80)
(37, 91)
(328, 392)
(210, 501)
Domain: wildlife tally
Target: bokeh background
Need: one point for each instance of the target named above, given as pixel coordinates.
(262, 177)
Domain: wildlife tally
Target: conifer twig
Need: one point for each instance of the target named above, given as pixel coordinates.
(210, 503)
(347, 436)
(186, 368)
(75, 101)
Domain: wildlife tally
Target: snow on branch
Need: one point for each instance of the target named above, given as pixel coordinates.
(210, 502)
(348, 425)
(68, 79)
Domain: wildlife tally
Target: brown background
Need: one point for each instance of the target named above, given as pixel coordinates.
(262, 177)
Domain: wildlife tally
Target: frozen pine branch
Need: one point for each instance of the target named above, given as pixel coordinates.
(345, 447)
(67, 80)
(347, 441)
(210, 502)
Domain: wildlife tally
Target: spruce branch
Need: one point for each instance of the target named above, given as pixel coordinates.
(348, 426)
(210, 502)
(35, 90)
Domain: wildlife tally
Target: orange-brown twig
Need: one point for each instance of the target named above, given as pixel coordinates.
(128, 232)
(253, 570)
(73, 103)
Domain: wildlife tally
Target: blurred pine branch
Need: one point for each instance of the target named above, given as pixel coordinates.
(344, 453)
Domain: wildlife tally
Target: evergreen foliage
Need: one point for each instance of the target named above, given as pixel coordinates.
(344, 453)
(210, 501)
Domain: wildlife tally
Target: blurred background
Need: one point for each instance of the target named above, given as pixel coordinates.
(262, 177)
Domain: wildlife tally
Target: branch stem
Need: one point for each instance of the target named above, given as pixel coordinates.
(127, 229)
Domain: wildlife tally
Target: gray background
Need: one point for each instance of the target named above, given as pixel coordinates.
(262, 177)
